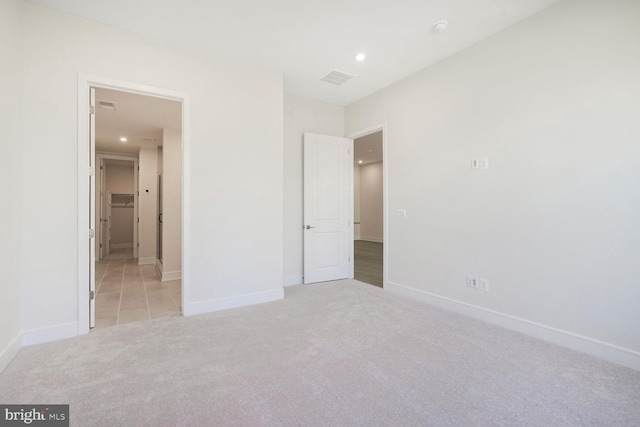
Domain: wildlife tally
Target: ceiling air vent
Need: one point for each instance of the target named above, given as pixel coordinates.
(106, 105)
(147, 139)
(337, 77)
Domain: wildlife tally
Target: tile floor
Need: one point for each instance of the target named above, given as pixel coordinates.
(128, 292)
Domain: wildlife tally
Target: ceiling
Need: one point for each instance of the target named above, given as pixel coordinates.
(367, 149)
(139, 118)
(306, 39)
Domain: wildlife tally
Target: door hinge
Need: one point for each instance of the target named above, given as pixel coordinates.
(92, 109)
(100, 244)
(92, 233)
(138, 244)
(92, 295)
(92, 171)
(138, 220)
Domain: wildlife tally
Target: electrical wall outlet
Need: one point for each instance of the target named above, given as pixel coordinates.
(472, 282)
(476, 283)
(480, 163)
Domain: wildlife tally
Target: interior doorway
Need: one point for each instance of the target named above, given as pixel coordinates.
(137, 141)
(369, 207)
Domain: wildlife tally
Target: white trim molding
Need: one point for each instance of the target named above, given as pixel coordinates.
(49, 333)
(85, 82)
(385, 194)
(292, 280)
(158, 267)
(10, 351)
(171, 275)
(602, 350)
(146, 261)
(217, 304)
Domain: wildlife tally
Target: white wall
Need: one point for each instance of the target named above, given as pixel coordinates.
(121, 226)
(148, 205)
(553, 224)
(10, 176)
(371, 202)
(234, 109)
(160, 161)
(172, 203)
(301, 115)
(119, 178)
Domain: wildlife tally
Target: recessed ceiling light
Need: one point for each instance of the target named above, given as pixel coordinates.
(360, 161)
(123, 139)
(360, 57)
(440, 26)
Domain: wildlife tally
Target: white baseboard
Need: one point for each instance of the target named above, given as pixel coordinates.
(292, 280)
(50, 333)
(120, 245)
(146, 261)
(158, 265)
(596, 348)
(217, 304)
(10, 351)
(170, 275)
(371, 239)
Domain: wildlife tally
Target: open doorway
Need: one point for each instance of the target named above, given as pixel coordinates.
(138, 154)
(368, 209)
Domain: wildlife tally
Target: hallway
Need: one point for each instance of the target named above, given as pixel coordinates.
(128, 292)
(368, 257)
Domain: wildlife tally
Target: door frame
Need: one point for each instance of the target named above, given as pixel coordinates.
(385, 195)
(134, 160)
(86, 216)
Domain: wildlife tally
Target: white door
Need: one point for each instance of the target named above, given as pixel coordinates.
(102, 226)
(92, 208)
(107, 243)
(328, 230)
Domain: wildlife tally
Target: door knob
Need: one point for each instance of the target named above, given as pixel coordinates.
(309, 227)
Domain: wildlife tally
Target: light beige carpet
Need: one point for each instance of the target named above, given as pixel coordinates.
(333, 354)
